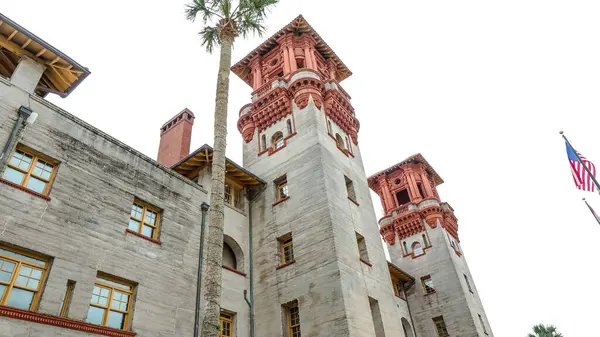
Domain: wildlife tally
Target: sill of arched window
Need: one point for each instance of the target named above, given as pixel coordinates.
(354, 201)
(234, 270)
(24, 189)
(143, 236)
(280, 201)
(62, 322)
(366, 262)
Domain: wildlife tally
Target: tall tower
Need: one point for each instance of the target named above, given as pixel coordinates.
(319, 262)
(422, 237)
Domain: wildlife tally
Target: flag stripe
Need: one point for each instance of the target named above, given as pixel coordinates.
(582, 179)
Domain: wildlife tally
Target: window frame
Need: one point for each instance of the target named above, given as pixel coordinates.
(350, 190)
(19, 262)
(227, 319)
(482, 324)
(289, 127)
(145, 207)
(468, 283)
(440, 324)
(291, 326)
(66, 301)
(277, 141)
(429, 289)
(234, 196)
(281, 185)
(108, 308)
(35, 157)
(422, 250)
(285, 243)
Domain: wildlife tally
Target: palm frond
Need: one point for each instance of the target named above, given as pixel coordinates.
(210, 37)
(206, 9)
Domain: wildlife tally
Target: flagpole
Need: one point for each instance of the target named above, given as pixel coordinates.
(581, 162)
(592, 210)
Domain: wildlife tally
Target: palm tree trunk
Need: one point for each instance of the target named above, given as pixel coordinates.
(214, 254)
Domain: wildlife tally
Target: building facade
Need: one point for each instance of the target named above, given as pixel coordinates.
(97, 239)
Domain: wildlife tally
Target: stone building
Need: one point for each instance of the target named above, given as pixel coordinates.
(98, 239)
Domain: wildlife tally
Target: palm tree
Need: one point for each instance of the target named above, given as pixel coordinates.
(541, 330)
(224, 21)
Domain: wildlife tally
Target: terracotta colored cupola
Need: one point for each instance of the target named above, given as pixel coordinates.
(410, 199)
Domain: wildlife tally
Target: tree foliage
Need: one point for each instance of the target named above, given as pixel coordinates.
(541, 330)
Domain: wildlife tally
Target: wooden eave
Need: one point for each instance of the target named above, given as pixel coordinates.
(399, 274)
(62, 74)
(191, 165)
(298, 25)
(417, 158)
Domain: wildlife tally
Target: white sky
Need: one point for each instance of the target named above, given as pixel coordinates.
(480, 88)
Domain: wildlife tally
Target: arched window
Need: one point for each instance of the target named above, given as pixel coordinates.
(339, 140)
(289, 127)
(264, 142)
(405, 248)
(425, 242)
(229, 257)
(277, 140)
(233, 256)
(329, 126)
(406, 328)
(348, 144)
(417, 249)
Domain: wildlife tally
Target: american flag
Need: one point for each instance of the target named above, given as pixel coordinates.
(582, 179)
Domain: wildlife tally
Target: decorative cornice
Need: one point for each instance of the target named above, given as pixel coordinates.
(62, 322)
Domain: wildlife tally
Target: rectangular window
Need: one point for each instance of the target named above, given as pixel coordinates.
(21, 278)
(482, 325)
(376, 315)
(226, 322)
(468, 284)
(233, 195)
(31, 170)
(287, 249)
(402, 197)
(398, 288)
(350, 188)
(420, 188)
(427, 283)
(66, 300)
(282, 190)
(293, 320)
(111, 303)
(440, 326)
(362, 247)
(144, 219)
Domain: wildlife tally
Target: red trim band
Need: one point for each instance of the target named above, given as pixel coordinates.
(285, 265)
(280, 201)
(235, 271)
(143, 236)
(354, 201)
(24, 189)
(62, 322)
(366, 262)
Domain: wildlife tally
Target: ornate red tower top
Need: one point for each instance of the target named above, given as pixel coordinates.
(410, 199)
(290, 67)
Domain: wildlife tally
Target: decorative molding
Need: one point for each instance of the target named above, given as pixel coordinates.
(285, 265)
(24, 189)
(234, 270)
(143, 236)
(62, 322)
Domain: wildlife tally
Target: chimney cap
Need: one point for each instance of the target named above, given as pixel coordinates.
(174, 118)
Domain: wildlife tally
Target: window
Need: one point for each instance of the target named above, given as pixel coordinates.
(66, 300)
(263, 142)
(287, 249)
(425, 241)
(277, 141)
(420, 188)
(289, 127)
(405, 248)
(468, 283)
(398, 288)
(144, 219)
(329, 127)
(440, 326)
(282, 190)
(376, 315)
(482, 325)
(226, 321)
(417, 249)
(339, 140)
(233, 196)
(350, 188)
(362, 247)
(427, 283)
(111, 303)
(348, 146)
(229, 259)
(32, 171)
(21, 278)
(402, 197)
(294, 320)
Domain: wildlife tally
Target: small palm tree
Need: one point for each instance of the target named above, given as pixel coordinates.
(224, 21)
(541, 330)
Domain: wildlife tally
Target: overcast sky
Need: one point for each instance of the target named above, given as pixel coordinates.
(480, 88)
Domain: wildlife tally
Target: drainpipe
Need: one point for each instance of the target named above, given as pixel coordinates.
(409, 313)
(25, 115)
(251, 260)
(204, 207)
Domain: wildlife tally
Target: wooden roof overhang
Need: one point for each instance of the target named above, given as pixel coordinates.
(298, 25)
(399, 274)
(417, 158)
(191, 165)
(62, 74)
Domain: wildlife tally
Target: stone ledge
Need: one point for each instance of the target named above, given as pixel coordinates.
(235, 271)
(62, 322)
(24, 189)
(143, 236)
(280, 201)
(366, 262)
(285, 265)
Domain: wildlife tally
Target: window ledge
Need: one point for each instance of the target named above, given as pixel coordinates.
(26, 190)
(354, 201)
(143, 236)
(366, 262)
(280, 201)
(235, 271)
(62, 322)
(344, 151)
(271, 151)
(285, 265)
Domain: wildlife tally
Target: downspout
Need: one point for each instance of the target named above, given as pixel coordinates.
(251, 260)
(409, 313)
(24, 114)
(204, 207)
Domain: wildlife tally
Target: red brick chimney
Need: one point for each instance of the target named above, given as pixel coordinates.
(175, 137)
